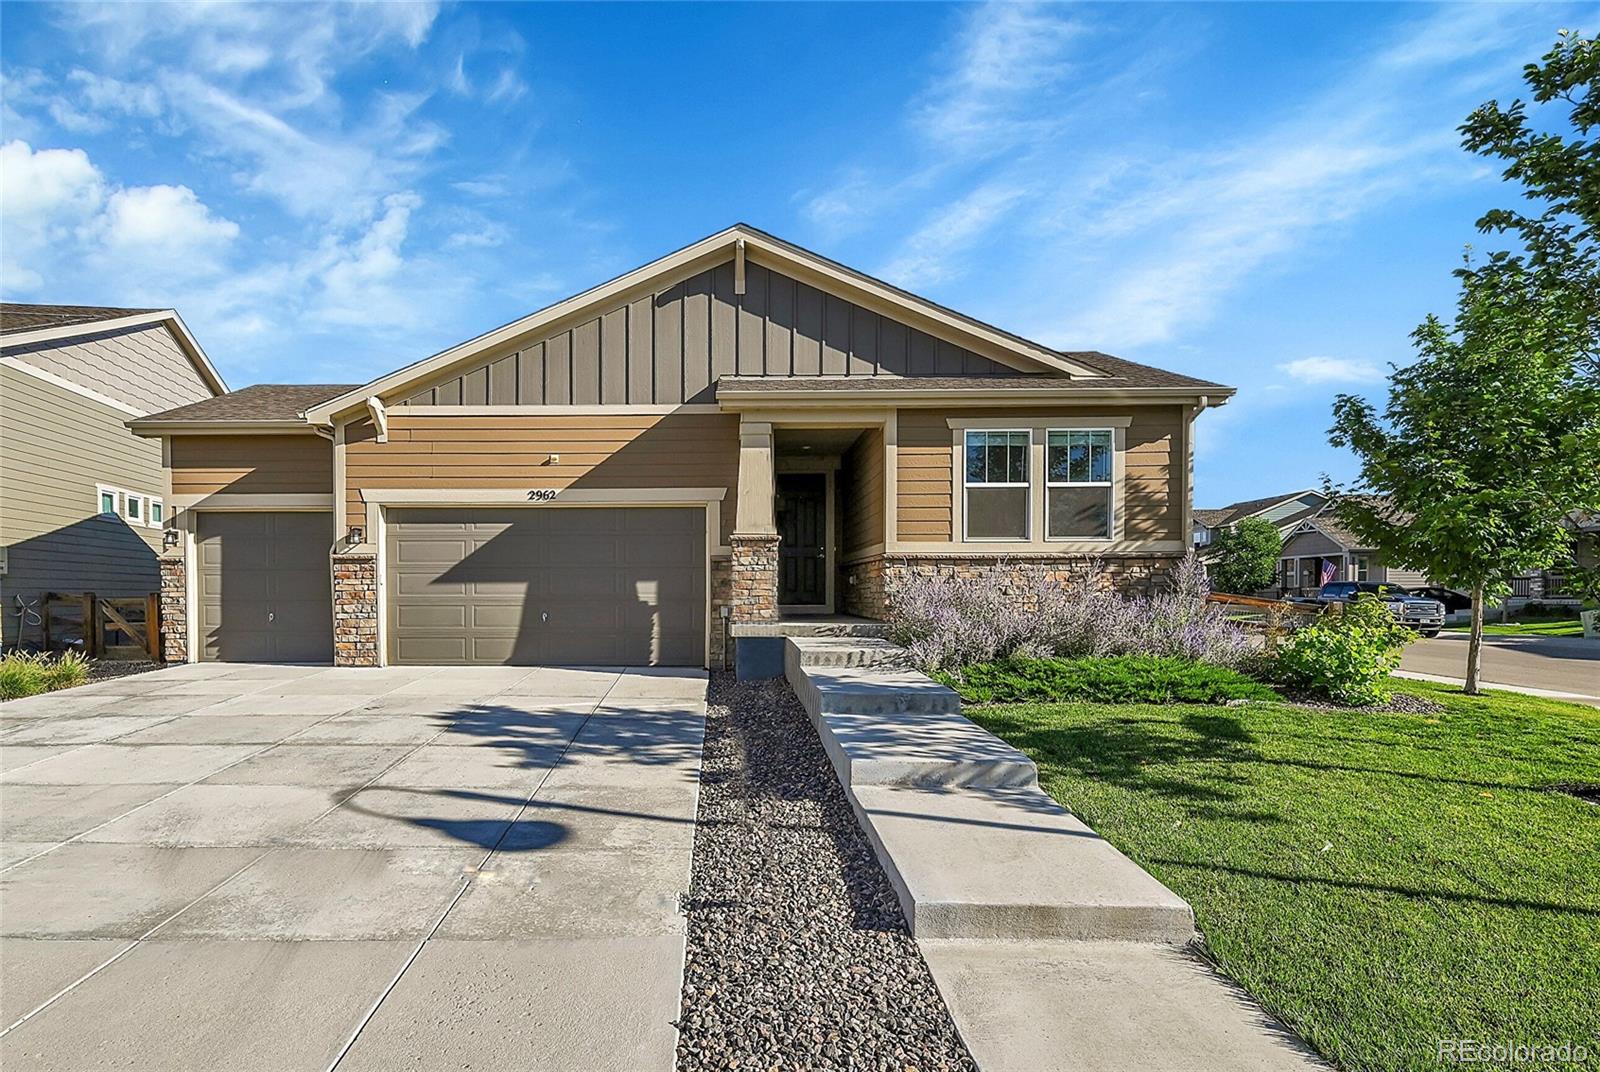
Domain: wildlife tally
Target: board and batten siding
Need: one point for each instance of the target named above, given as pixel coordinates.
(453, 452)
(671, 346)
(55, 446)
(252, 465)
(141, 366)
(1152, 492)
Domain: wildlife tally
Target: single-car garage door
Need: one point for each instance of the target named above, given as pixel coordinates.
(610, 586)
(264, 592)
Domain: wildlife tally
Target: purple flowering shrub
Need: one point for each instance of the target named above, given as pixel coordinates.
(947, 622)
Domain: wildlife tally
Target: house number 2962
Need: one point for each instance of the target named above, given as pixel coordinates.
(541, 494)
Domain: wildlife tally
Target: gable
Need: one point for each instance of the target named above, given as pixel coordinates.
(670, 346)
(142, 366)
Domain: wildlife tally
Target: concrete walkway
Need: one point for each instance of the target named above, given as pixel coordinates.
(1053, 951)
(300, 868)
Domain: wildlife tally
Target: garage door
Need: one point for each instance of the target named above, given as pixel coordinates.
(264, 589)
(554, 586)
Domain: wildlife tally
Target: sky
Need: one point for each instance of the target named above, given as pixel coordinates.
(1269, 196)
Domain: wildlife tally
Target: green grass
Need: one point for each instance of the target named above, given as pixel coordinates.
(1115, 679)
(23, 674)
(1378, 880)
(1547, 627)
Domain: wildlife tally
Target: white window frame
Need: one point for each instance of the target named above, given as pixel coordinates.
(151, 505)
(1027, 485)
(1109, 485)
(100, 492)
(120, 497)
(140, 518)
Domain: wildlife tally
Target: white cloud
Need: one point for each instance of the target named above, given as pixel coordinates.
(45, 196)
(1331, 370)
(165, 220)
(926, 257)
(508, 88)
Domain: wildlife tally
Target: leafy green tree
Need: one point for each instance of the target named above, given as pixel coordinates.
(1487, 442)
(1559, 226)
(1244, 558)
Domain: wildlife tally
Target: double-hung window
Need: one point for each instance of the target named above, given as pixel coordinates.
(996, 482)
(1078, 492)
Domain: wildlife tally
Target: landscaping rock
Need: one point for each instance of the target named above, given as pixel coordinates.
(798, 955)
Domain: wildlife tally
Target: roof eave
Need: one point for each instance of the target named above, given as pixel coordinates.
(923, 397)
(152, 429)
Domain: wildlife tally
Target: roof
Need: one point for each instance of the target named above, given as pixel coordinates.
(1240, 510)
(16, 317)
(260, 402)
(742, 242)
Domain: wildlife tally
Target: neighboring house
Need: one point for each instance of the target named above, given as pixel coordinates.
(82, 499)
(1284, 511)
(739, 432)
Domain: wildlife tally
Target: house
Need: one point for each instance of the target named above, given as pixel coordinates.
(733, 435)
(1284, 511)
(82, 499)
(1321, 548)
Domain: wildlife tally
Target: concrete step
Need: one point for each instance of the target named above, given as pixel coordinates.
(1011, 864)
(1104, 1007)
(813, 627)
(835, 653)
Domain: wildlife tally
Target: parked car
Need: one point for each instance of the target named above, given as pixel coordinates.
(1452, 600)
(1419, 612)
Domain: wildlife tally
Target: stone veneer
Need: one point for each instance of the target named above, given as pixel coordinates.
(871, 583)
(721, 596)
(174, 608)
(355, 608)
(754, 578)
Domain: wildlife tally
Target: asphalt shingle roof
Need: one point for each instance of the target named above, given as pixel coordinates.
(261, 402)
(16, 317)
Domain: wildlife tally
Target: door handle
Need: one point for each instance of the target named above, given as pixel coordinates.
(271, 617)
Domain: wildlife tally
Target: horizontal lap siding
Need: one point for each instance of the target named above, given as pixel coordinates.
(863, 507)
(455, 452)
(252, 465)
(1152, 492)
(672, 346)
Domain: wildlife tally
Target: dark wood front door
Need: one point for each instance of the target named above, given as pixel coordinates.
(802, 539)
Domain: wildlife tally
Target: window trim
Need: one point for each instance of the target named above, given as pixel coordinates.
(1109, 485)
(120, 497)
(100, 492)
(141, 517)
(1026, 485)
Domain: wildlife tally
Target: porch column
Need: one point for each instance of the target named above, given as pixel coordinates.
(755, 535)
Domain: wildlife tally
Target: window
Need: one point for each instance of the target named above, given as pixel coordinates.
(134, 510)
(157, 512)
(1286, 573)
(1363, 566)
(997, 485)
(1078, 467)
(108, 501)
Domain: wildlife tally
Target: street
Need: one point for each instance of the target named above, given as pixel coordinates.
(1556, 664)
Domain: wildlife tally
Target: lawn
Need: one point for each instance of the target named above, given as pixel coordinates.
(1546, 627)
(1379, 881)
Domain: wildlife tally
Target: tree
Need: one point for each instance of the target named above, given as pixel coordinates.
(1559, 174)
(1487, 442)
(1244, 558)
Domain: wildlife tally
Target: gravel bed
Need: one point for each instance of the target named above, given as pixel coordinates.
(108, 669)
(798, 956)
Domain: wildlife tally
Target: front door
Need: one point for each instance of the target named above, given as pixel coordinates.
(802, 539)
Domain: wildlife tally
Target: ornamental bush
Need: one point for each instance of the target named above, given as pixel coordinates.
(22, 674)
(1347, 654)
(951, 622)
(1118, 679)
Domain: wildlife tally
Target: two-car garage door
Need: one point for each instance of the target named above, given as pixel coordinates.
(547, 585)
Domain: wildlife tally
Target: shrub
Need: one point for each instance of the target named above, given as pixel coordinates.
(951, 622)
(22, 674)
(1244, 558)
(1119, 679)
(1347, 654)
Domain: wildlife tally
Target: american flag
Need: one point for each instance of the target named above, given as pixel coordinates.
(1328, 570)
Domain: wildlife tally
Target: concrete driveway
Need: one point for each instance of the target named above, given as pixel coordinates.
(1569, 666)
(304, 868)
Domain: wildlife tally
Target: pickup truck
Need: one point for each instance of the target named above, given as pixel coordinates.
(1420, 613)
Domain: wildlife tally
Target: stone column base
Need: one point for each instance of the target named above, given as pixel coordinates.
(754, 570)
(355, 608)
(174, 608)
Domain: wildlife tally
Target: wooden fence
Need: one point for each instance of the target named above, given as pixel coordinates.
(102, 627)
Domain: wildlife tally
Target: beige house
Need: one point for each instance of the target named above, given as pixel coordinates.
(82, 499)
(1321, 547)
(735, 435)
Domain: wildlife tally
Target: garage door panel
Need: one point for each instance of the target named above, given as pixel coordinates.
(263, 584)
(604, 585)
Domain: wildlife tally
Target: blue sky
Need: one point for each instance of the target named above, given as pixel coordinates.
(1269, 196)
